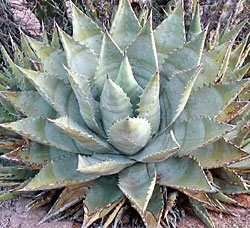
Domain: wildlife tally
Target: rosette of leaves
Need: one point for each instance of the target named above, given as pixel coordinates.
(13, 174)
(125, 113)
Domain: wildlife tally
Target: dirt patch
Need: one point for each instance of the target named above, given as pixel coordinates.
(13, 215)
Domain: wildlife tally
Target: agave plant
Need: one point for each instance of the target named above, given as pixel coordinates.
(126, 113)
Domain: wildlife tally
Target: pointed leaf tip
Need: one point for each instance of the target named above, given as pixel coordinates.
(125, 79)
(130, 135)
(137, 183)
(125, 25)
(170, 34)
(114, 104)
(85, 30)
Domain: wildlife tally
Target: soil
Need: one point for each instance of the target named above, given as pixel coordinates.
(13, 215)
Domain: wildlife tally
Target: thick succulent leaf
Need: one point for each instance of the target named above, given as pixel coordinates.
(244, 95)
(158, 149)
(114, 104)
(247, 146)
(183, 173)
(202, 213)
(27, 49)
(151, 216)
(233, 110)
(246, 143)
(195, 26)
(52, 59)
(69, 197)
(45, 35)
(242, 165)
(211, 64)
(23, 82)
(230, 176)
(239, 136)
(170, 34)
(187, 57)
(137, 183)
(165, 110)
(60, 172)
(236, 59)
(109, 63)
(30, 103)
(237, 74)
(80, 58)
(55, 42)
(85, 30)
(104, 195)
(224, 66)
(224, 198)
(217, 154)
(178, 90)
(125, 25)
(212, 99)
(31, 154)
(84, 136)
(142, 55)
(5, 118)
(202, 197)
(231, 35)
(149, 106)
(125, 79)
(41, 131)
(58, 94)
(130, 135)
(103, 165)
(89, 108)
(196, 133)
(4, 80)
(9, 108)
(228, 188)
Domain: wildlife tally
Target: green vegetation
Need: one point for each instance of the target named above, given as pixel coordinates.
(119, 114)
